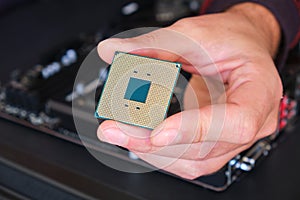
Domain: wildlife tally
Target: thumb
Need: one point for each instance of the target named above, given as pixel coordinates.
(107, 48)
(157, 44)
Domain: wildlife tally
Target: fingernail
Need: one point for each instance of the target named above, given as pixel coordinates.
(166, 137)
(114, 136)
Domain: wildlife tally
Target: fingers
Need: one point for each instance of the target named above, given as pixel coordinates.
(196, 151)
(138, 140)
(249, 113)
(236, 122)
(124, 135)
(211, 123)
(159, 44)
(189, 169)
(257, 94)
(187, 127)
(153, 44)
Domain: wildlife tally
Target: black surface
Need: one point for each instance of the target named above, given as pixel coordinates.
(27, 33)
(29, 186)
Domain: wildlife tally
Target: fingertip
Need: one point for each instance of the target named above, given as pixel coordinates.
(100, 135)
(108, 131)
(104, 125)
(107, 48)
(108, 124)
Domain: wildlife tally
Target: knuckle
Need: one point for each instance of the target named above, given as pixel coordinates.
(150, 39)
(183, 23)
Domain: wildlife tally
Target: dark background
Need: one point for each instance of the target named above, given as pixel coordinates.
(49, 168)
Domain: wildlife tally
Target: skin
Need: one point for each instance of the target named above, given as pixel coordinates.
(242, 43)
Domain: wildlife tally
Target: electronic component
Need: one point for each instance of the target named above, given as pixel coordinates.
(138, 90)
(34, 87)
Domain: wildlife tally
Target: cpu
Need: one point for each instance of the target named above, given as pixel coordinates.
(138, 90)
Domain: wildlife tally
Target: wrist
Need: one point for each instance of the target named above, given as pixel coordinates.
(264, 22)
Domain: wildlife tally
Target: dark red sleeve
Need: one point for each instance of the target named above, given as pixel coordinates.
(287, 12)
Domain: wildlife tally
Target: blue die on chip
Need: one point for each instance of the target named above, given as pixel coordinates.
(137, 90)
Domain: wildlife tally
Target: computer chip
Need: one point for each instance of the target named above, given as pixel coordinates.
(138, 90)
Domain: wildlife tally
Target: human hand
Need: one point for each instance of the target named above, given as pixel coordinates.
(240, 46)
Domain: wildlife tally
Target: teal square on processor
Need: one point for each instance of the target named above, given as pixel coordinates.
(137, 90)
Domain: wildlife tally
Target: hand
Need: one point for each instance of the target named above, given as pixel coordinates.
(240, 43)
